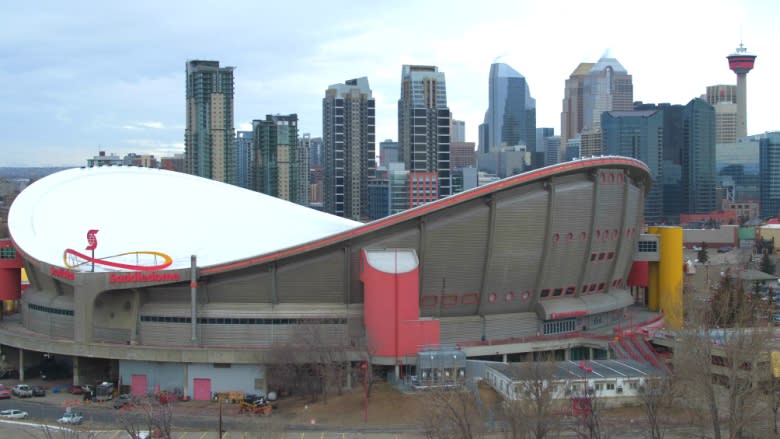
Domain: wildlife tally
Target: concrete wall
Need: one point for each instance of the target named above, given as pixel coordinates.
(236, 378)
(725, 235)
(168, 376)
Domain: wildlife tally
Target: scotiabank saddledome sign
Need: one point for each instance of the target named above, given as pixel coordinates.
(135, 261)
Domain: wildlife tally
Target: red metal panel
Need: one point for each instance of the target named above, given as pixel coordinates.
(10, 283)
(638, 276)
(392, 312)
(138, 386)
(201, 389)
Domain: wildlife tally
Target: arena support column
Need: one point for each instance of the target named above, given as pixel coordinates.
(194, 297)
(666, 275)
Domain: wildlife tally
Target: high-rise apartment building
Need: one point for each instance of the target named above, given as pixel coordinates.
(315, 151)
(348, 148)
(424, 124)
(275, 168)
(243, 157)
(769, 165)
(209, 135)
(510, 119)
(304, 153)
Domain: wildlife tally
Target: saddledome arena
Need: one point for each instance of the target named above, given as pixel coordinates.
(156, 278)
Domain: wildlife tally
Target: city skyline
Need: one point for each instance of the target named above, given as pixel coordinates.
(112, 80)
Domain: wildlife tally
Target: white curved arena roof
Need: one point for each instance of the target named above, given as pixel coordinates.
(151, 210)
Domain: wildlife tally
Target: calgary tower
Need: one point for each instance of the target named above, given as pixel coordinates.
(741, 62)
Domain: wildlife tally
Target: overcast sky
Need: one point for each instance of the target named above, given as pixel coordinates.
(82, 76)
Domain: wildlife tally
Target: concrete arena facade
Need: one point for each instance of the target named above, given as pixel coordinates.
(543, 252)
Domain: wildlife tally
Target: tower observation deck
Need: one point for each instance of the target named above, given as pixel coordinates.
(741, 62)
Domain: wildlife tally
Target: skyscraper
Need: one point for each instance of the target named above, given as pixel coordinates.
(677, 142)
(769, 165)
(348, 148)
(243, 154)
(573, 101)
(510, 119)
(424, 123)
(304, 155)
(638, 134)
(388, 153)
(591, 90)
(209, 136)
(275, 159)
(741, 62)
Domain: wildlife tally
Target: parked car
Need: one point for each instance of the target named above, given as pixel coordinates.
(71, 417)
(724, 249)
(4, 392)
(39, 391)
(123, 400)
(22, 391)
(13, 414)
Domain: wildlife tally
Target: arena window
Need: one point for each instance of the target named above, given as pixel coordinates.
(468, 298)
(49, 310)
(559, 326)
(7, 253)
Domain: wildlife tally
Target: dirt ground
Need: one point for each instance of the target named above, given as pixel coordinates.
(386, 406)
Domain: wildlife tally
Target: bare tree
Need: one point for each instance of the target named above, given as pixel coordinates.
(720, 360)
(147, 414)
(452, 413)
(534, 410)
(657, 395)
(588, 408)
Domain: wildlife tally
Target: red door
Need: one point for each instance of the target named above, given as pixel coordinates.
(138, 386)
(201, 389)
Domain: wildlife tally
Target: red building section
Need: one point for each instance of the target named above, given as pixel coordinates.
(638, 277)
(391, 304)
(10, 271)
(423, 188)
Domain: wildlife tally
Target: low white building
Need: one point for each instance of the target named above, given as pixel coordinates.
(616, 381)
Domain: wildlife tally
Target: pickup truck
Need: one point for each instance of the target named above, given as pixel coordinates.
(22, 391)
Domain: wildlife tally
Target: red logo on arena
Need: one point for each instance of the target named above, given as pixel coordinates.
(142, 260)
(92, 239)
